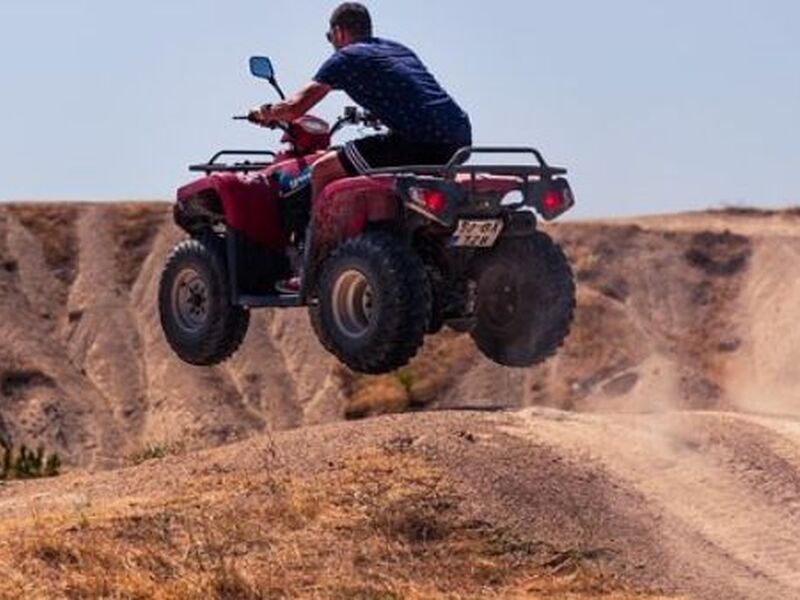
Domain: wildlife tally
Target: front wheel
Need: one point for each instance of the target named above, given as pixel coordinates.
(374, 303)
(200, 322)
(525, 301)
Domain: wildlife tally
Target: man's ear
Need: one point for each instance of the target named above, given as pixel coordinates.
(342, 35)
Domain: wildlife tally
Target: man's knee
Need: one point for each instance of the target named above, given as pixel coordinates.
(327, 166)
(327, 170)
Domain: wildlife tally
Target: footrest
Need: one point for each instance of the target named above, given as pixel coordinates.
(271, 301)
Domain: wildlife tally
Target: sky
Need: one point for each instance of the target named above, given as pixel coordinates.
(654, 106)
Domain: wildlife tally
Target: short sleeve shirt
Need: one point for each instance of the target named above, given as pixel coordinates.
(391, 82)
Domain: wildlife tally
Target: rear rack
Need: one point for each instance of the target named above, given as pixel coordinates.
(456, 165)
(449, 171)
(212, 166)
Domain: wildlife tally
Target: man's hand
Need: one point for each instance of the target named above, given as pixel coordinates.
(261, 116)
(290, 109)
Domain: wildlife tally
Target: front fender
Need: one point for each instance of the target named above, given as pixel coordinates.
(249, 204)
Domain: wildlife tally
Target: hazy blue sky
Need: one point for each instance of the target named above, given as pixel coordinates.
(654, 106)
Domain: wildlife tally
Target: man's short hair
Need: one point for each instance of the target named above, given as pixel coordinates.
(354, 18)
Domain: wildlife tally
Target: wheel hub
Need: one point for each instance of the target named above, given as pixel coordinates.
(190, 300)
(502, 300)
(352, 304)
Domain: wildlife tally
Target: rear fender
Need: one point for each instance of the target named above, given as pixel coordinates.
(347, 206)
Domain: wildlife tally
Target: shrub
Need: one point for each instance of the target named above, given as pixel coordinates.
(157, 451)
(27, 464)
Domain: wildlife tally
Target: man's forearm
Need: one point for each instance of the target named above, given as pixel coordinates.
(286, 111)
(297, 105)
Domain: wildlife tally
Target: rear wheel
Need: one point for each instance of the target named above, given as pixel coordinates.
(525, 301)
(374, 303)
(200, 322)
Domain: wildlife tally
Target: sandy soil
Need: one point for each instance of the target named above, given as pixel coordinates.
(687, 504)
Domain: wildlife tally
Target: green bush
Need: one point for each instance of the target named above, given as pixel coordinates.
(27, 464)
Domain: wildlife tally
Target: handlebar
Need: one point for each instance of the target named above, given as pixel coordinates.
(352, 116)
(273, 125)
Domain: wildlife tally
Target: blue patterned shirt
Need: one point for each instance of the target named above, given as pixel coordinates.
(392, 83)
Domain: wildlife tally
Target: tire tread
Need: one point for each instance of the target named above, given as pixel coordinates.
(228, 326)
(561, 284)
(409, 302)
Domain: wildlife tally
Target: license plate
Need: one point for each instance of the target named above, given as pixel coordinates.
(476, 233)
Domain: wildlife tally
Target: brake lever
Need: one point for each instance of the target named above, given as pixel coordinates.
(271, 125)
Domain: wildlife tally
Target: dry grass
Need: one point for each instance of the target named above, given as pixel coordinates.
(385, 524)
(751, 211)
(157, 451)
(54, 226)
(134, 227)
(443, 359)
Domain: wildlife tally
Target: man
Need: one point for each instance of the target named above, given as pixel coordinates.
(425, 124)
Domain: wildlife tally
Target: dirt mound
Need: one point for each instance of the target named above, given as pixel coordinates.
(534, 504)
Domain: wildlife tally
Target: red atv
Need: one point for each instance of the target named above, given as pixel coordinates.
(383, 259)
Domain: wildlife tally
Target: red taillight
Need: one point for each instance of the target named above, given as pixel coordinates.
(433, 201)
(556, 199)
(552, 201)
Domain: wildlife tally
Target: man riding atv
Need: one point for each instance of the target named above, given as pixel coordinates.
(403, 235)
(426, 126)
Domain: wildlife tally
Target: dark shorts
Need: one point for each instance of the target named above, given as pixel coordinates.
(378, 151)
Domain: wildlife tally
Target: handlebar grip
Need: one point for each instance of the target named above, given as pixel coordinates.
(240, 117)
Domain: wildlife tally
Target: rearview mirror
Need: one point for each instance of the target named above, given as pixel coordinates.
(261, 66)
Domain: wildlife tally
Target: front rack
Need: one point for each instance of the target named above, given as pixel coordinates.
(212, 166)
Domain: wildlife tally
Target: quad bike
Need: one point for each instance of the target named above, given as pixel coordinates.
(383, 259)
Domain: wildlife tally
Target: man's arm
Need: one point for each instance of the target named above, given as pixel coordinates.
(294, 106)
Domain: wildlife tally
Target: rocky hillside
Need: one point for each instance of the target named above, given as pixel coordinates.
(685, 312)
(84, 368)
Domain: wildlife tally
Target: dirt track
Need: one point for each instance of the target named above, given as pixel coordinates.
(702, 505)
(722, 488)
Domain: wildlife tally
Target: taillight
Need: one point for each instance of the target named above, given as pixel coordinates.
(433, 198)
(434, 201)
(556, 200)
(552, 201)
